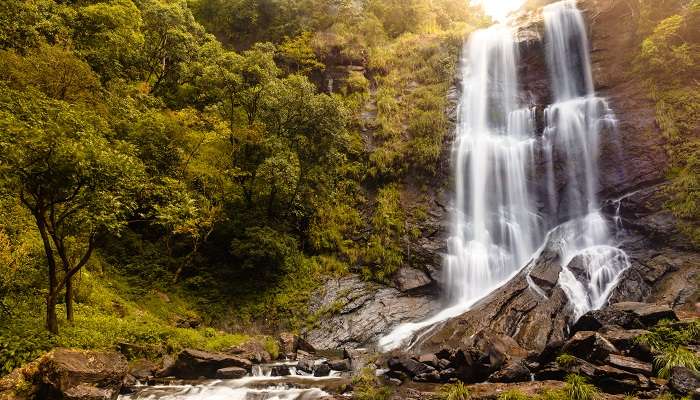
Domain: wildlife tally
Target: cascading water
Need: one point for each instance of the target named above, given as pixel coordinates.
(496, 226)
(574, 122)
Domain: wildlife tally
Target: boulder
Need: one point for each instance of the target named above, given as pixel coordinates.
(684, 381)
(648, 314)
(75, 373)
(407, 278)
(280, 370)
(513, 371)
(322, 370)
(340, 365)
(556, 371)
(409, 366)
(629, 364)
(142, 369)
(429, 359)
(231, 373)
(498, 348)
(166, 366)
(193, 364)
(545, 274)
(358, 357)
(288, 344)
(253, 351)
(589, 346)
(616, 381)
(628, 315)
(365, 312)
(305, 365)
(430, 376)
(88, 392)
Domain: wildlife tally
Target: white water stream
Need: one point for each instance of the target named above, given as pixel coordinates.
(500, 222)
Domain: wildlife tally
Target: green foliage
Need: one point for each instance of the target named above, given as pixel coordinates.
(668, 60)
(675, 356)
(513, 395)
(383, 255)
(366, 386)
(670, 334)
(566, 360)
(578, 388)
(456, 391)
(198, 163)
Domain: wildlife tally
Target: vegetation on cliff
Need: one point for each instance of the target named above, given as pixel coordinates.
(669, 61)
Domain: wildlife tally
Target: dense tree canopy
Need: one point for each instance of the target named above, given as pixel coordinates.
(224, 150)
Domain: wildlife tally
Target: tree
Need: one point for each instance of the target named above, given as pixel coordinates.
(76, 182)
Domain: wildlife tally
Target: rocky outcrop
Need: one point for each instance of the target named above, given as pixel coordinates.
(80, 374)
(195, 364)
(361, 312)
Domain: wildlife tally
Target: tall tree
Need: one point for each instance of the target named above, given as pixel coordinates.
(57, 159)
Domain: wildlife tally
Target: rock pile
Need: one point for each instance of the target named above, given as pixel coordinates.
(602, 345)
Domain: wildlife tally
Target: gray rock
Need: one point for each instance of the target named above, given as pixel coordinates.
(340, 365)
(407, 278)
(409, 366)
(81, 375)
(231, 373)
(589, 346)
(629, 364)
(514, 371)
(280, 370)
(358, 357)
(429, 359)
(193, 364)
(88, 392)
(322, 370)
(368, 311)
(684, 381)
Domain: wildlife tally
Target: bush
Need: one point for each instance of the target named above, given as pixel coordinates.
(566, 360)
(455, 391)
(513, 395)
(677, 356)
(578, 388)
(366, 387)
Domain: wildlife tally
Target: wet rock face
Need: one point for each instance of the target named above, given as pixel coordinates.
(364, 312)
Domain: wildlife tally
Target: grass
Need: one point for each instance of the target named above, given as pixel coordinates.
(566, 360)
(677, 356)
(513, 395)
(366, 387)
(103, 319)
(578, 388)
(454, 391)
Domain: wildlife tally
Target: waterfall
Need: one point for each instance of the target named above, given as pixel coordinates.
(499, 222)
(574, 122)
(495, 226)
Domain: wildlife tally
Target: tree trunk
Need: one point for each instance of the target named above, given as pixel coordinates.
(51, 320)
(69, 300)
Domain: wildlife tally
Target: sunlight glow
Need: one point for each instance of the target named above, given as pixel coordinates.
(498, 9)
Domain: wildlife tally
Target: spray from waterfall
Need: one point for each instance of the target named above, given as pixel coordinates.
(499, 223)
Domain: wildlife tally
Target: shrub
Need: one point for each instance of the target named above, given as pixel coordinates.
(677, 356)
(578, 388)
(455, 391)
(513, 395)
(566, 360)
(366, 386)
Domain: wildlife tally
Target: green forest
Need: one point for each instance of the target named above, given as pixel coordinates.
(169, 163)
